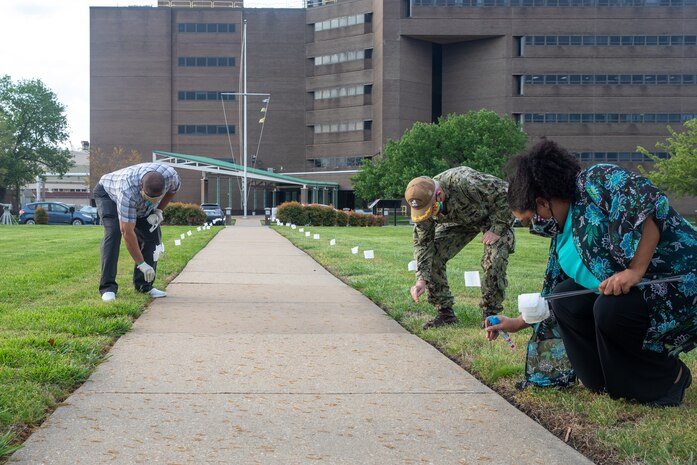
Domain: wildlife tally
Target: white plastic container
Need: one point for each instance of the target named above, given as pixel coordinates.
(533, 307)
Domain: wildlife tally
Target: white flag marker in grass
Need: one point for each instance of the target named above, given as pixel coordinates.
(411, 266)
(177, 242)
(302, 229)
(368, 254)
(182, 235)
(198, 228)
(188, 233)
(332, 242)
(472, 279)
(292, 226)
(316, 236)
(307, 233)
(354, 250)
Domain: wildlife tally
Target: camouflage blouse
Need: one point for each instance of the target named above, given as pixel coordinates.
(608, 213)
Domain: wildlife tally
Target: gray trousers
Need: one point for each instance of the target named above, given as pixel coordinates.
(111, 244)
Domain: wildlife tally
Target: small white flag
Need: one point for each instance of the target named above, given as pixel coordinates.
(354, 250)
(368, 254)
(302, 230)
(316, 236)
(472, 279)
(332, 242)
(183, 235)
(177, 242)
(188, 233)
(292, 226)
(307, 234)
(198, 228)
(411, 266)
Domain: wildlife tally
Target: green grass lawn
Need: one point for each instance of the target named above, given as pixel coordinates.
(54, 327)
(607, 431)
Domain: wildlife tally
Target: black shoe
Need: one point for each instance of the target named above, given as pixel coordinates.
(676, 393)
(444, 318)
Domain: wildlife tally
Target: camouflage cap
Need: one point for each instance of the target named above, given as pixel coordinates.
(421, 195)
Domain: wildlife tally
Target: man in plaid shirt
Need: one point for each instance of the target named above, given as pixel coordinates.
(130, 203)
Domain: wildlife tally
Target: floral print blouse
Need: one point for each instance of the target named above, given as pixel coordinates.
(608, 212)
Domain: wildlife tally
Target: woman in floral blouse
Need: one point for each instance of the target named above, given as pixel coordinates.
(610, 230)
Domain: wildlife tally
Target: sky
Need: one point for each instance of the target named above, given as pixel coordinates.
(49, 40)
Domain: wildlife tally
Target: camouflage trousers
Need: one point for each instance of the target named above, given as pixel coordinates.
(450, 239)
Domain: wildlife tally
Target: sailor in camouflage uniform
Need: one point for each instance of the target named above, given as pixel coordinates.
(449, 210)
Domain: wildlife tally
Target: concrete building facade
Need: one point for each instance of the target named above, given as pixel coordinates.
(599, 76)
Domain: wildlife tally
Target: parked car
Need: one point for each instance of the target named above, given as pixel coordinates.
(214, 214)
(58, 213)
(91, 211)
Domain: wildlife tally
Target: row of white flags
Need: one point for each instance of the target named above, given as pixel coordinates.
(182, 236)
(471, 277)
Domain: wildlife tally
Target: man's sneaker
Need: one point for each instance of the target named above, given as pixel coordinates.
(156, 293)
(444, 318)
(108, 296)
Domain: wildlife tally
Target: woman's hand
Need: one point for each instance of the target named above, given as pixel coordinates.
(510, 325)
(620, 283)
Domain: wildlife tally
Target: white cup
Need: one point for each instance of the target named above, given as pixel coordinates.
(533, 307)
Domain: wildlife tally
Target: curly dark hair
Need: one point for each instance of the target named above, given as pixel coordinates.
(546, 170)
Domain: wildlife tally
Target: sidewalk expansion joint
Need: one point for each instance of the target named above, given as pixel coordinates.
(280, 393)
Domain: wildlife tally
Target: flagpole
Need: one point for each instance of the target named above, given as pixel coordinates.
(244, 113)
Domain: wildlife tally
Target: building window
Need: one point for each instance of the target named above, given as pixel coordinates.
(337, 162)
(342, 57)
(595, 157)
(337, 92)
(602, 40)
(206, 27)
(609, 79)
(548, 3)
(204, 129)
(213, 62)
(205, 95)
(608, 118)
(341, 21)
(343, 126)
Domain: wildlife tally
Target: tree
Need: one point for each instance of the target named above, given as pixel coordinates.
(481, 140)
(100, 164)
(677, 173)
(37, 126)
(5, 143)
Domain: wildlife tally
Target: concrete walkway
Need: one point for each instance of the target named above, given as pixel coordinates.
(260, 356)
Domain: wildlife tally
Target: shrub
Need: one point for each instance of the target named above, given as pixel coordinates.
(377, 220)
(183, 214)
(292, 212)
(40, 216)
(355, 219)
(342, 218)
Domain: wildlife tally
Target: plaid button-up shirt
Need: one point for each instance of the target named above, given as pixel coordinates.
(123, 187)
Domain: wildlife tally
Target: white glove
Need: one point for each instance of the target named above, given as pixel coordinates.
(155, 217)
(148, 272)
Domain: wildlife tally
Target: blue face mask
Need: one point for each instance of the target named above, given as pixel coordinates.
(545, 227)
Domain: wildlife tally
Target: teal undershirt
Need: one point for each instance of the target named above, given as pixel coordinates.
(570, 261)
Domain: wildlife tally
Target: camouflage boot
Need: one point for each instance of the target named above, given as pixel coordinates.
(445, 316)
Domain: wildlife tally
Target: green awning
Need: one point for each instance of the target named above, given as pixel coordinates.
(225, 168)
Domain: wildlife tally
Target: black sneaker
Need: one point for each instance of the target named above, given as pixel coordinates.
(676, 393)
(444, 318)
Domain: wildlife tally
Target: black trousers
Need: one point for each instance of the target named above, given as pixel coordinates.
(111, 244)
(603, 336)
